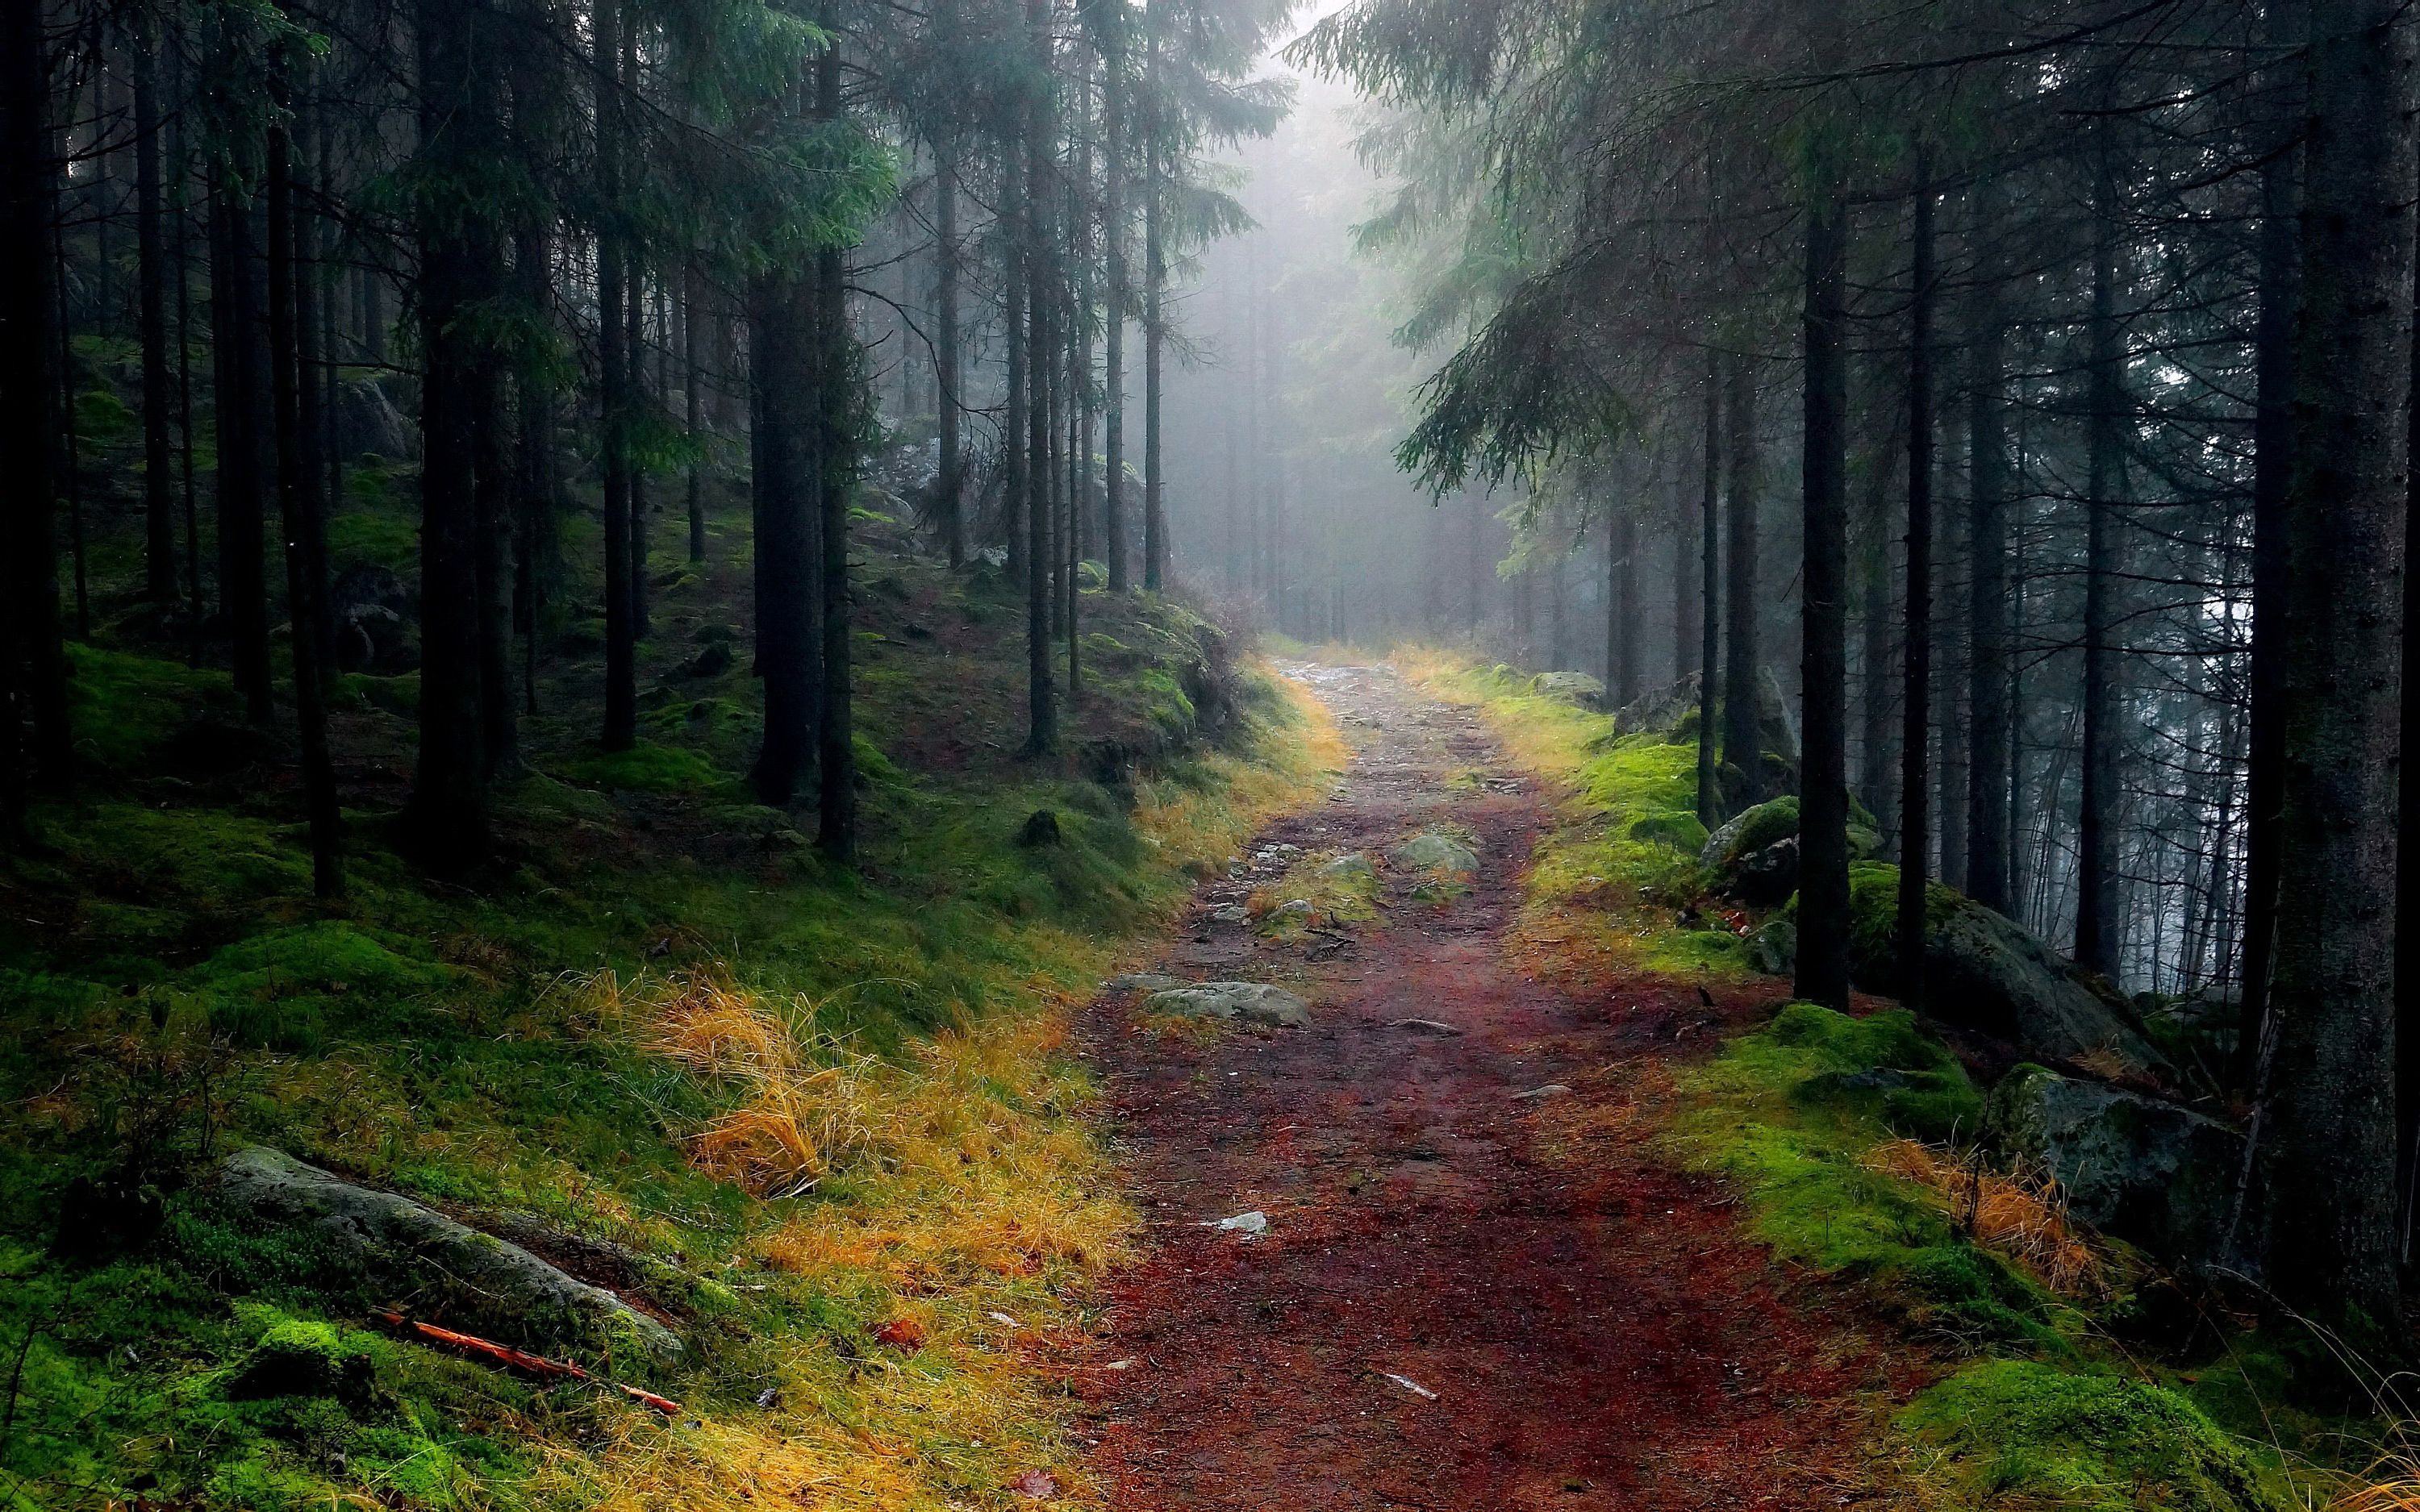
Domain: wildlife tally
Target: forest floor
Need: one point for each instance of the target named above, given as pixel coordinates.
(1478, 1287)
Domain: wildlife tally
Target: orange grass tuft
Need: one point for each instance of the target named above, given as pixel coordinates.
(2023, 1215)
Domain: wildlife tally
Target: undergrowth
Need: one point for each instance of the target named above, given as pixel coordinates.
(1849, 1142)
(827, 1120)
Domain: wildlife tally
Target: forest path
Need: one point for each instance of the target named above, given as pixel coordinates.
(1596, 1333)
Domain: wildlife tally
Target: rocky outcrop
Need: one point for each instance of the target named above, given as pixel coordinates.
(2144, 1169)
(1989, 974)
(1252, 1002)
(416, 1254)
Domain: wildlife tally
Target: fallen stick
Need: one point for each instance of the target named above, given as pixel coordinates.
(487, 1350)
(522, 1360)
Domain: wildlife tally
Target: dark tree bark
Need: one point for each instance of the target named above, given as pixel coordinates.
(2327, 1102)
(2097, 920)
(1113, 321)
(692, 403)
(1041, 357)
(1621, 604)
(951, 479)
(151, 304)
(460, 272)
(641, 403)
(1742, 746)
(614, 358)
(292, 320)
(33, 663)
(784, 492)
(1915, 709)
(1710, 787)
(239, 347)
(836, 755)
(1822, 974)
(2273, 468)
(1987, 689)
(1155, 260)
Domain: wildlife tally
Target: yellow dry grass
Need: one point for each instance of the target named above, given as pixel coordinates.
(2021, 1215)
(956, 1187)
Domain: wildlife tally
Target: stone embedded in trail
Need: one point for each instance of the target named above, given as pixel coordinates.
(2147, 1170)
(1254, 1002)
(1432, 1027)
(446, 1267)
(1437, 853)
(1540, 1094)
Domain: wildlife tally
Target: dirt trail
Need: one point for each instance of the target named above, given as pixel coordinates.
(1597, 1334)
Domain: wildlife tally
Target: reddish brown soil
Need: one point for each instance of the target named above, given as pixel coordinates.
(1597, 1334)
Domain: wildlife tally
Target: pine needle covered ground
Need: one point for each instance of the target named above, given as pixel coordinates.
(2060, 1374)
(824, 1124)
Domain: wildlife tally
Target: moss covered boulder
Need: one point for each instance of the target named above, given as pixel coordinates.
(1754, 857)
(1989, 974)
(2017, 1434)
(473, 1280)
(2131, 1164)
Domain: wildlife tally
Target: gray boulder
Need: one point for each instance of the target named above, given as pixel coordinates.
(2144, 1169)
(1576, 687)
(1663, 710)
(1989, 974)
(1253, 1002)
(477, 1281)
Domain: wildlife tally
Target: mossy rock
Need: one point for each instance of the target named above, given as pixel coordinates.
(301, 1358)
(1987, 973)
(2017, 1433)
(1881, 1067)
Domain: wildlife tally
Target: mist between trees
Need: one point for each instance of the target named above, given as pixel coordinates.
(2021, 394)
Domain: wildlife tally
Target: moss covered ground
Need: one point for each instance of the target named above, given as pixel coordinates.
(875, 1230)
(2062, 1374)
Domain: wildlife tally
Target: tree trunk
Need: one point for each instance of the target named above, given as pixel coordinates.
(621, 726)
(239, 347)
(1041, 357)
(1742, 748)
(1709, 786)
(2328, 1156)
(1622, 591)
(2273, 466)
(1823, 787)
(1113, 320)
(1154, 259)
(836, 754)
(1915, 709)
(783, 485)
(951, 479)
(1988, 688)
(151, 284)
(460, 270)
(2096, 920)
(693, 404)
(33, 663)
(300, 474)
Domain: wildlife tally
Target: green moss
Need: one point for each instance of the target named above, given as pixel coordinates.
(125, 707)
(647, 767)
(1787, 1114)
(2020, 1434)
